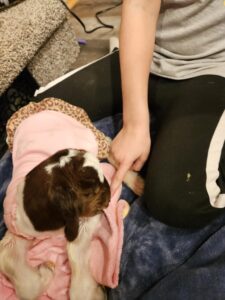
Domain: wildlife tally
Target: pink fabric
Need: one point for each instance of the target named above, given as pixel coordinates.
(37, 138)
(108, 241)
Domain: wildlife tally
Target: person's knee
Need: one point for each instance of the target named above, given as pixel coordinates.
(178, 211)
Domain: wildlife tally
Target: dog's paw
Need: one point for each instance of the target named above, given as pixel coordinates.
(135, 182)
(46, 271)
(50, 265)
(8, 241)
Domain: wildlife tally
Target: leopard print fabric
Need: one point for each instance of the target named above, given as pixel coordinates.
(64, 107)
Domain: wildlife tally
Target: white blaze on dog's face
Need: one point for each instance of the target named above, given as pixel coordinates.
(90, 161)
(62, 189)
(62, 161)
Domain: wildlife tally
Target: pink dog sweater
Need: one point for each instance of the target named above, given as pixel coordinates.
(37, 138)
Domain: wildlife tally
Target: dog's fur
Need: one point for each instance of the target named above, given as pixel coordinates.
(29, 283)
(70, 189)
(81, 279)
(66, 191)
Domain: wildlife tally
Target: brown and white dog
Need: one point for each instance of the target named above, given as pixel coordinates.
(64, 188)
(57, 194)
(60, 192)
(66, 192)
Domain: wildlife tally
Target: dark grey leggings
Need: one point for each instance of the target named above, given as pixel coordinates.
(185, 179)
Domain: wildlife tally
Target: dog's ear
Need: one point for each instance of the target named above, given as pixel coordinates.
(71, 228)
(67, 203)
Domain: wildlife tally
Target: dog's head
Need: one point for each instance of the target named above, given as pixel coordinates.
(62, 189)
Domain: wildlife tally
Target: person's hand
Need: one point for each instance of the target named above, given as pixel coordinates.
(129, 150)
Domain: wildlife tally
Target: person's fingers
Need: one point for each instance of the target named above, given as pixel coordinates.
(138, 164)
(112, 160)
(119, 175)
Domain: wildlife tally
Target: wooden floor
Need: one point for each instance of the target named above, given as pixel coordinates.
(96, 43)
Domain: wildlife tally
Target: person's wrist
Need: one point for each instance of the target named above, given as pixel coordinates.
(137, 129)
(137, 121)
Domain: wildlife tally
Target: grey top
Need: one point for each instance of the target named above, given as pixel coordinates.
(190, 39)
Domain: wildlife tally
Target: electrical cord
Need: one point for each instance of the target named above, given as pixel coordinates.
(103, 25)
(104, 11)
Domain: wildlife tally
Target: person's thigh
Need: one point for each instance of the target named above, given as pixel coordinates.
(185, 168)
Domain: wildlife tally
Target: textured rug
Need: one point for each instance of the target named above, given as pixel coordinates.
(27, 27)
(57, 56)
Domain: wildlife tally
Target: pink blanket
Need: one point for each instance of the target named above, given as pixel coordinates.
(29, 149)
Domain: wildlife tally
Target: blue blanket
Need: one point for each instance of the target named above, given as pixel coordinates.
(158, 262)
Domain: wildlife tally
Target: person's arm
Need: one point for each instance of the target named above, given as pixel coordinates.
(131, 146)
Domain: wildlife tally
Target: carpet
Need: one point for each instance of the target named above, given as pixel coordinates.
(24, 29)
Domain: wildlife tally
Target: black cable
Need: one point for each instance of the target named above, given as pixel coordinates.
(104, 11)
(104, 25)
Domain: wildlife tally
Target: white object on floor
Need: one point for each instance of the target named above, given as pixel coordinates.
(113, 44)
